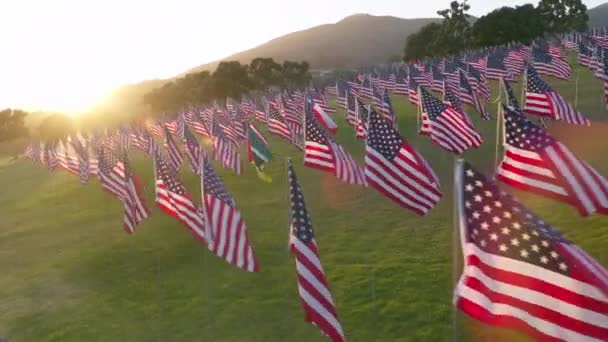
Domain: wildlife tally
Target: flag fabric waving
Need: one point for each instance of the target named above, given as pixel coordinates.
(542, 100)
(313, 289)
(193, 149)
(230, 240)
(324, 119)
(174, 200)
(446, 126)
(536, 162)
(258, 151)
(278, 126)
(323, 153)
(135, 209)
(398, 171)
(520, 272)
(468, 96)
(175, 155)
(511, 100)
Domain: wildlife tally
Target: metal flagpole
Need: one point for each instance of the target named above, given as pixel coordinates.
(455, 231)
(576, 90)
(498, 120)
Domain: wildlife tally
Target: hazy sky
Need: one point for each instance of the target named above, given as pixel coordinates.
(65, 54)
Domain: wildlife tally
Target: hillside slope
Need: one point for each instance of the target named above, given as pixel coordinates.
(598, 16)
(357, 40)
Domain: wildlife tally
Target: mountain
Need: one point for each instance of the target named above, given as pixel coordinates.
(354, 41)
(598, 16)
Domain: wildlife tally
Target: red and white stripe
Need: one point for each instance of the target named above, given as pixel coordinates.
(553, 105)
(334, 159)
(407, 179)
(324, 119)
(182, 208)
(556, 173)
(548, 306)
(227, 155)
(230, 238)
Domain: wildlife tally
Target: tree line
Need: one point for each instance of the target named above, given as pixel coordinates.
(459, 31)
(231, 79)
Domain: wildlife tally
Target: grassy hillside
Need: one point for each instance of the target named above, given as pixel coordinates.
(71, 274)
(357, 40)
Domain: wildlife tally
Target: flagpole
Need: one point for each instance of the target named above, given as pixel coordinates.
(576, 89)
(498, 120)
(455, 238)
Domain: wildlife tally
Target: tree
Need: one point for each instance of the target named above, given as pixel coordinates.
(55, 127)
(12, 124)
(560, 16)
(507, 24)
(265, 72)
(422, 43)
(231, 79)
(296, 74)
(455, 29)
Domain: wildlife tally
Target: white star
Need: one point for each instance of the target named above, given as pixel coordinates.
(515, 242)
(496, 219)
(483, 243)
(497, 204)
(470, 173)
(484, 225)
(487, 193)
(477, 198)
(516, 225)
(506, 231)
(545, 243)
(554, 255)
(475, 232)
(544, 259)
(478, 183)
(487, 209)
(526, 236)
(535, 247)
(506, 214)
(476, 215)
(467, 204)
(535, 233)
(503, 248)
(494, 237)
(469, 187)
(524, 253)
(563, 266)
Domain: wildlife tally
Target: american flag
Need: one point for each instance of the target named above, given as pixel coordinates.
(111, 173)
(351, 109)
(603, 75)
(438, 80)
(451, 98)
(584, 54)
(468, 96)
(323, 153)
(82, 154)
(536, 162)
(362, 116)
(324, 118)
(260, 112)
(175, 155)
(313, 290)
(193, 149)
(134, 204)
(510, 96)
(278, 126)
(342, 92)
(50, 155)
(542, 100)
(401, 86)
(365, 90)
(398, 171)
(173, 199)
(446, 126)
(478, 82)
(551, 66)
(496, 69)
(413, 92)
(520, 272)
(387, 108)
(157, 130)
(230, 238)
(377, 99)
(226, 153)
(199, 126)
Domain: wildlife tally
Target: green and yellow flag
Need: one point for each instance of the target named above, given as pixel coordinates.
(258, 151)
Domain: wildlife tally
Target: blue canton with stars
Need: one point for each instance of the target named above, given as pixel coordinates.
(382, 137)
(523, 134)
(213, 185)
(301, 227)
(431, 105)
(498, 224)
(169, 177)
(534, 83)
(511, 99)
(314, 132)
(453, 99)
(464, 83)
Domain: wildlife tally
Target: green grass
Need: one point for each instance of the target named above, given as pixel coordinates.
(70, 273)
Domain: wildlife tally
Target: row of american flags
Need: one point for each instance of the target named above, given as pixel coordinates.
(519, 271)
